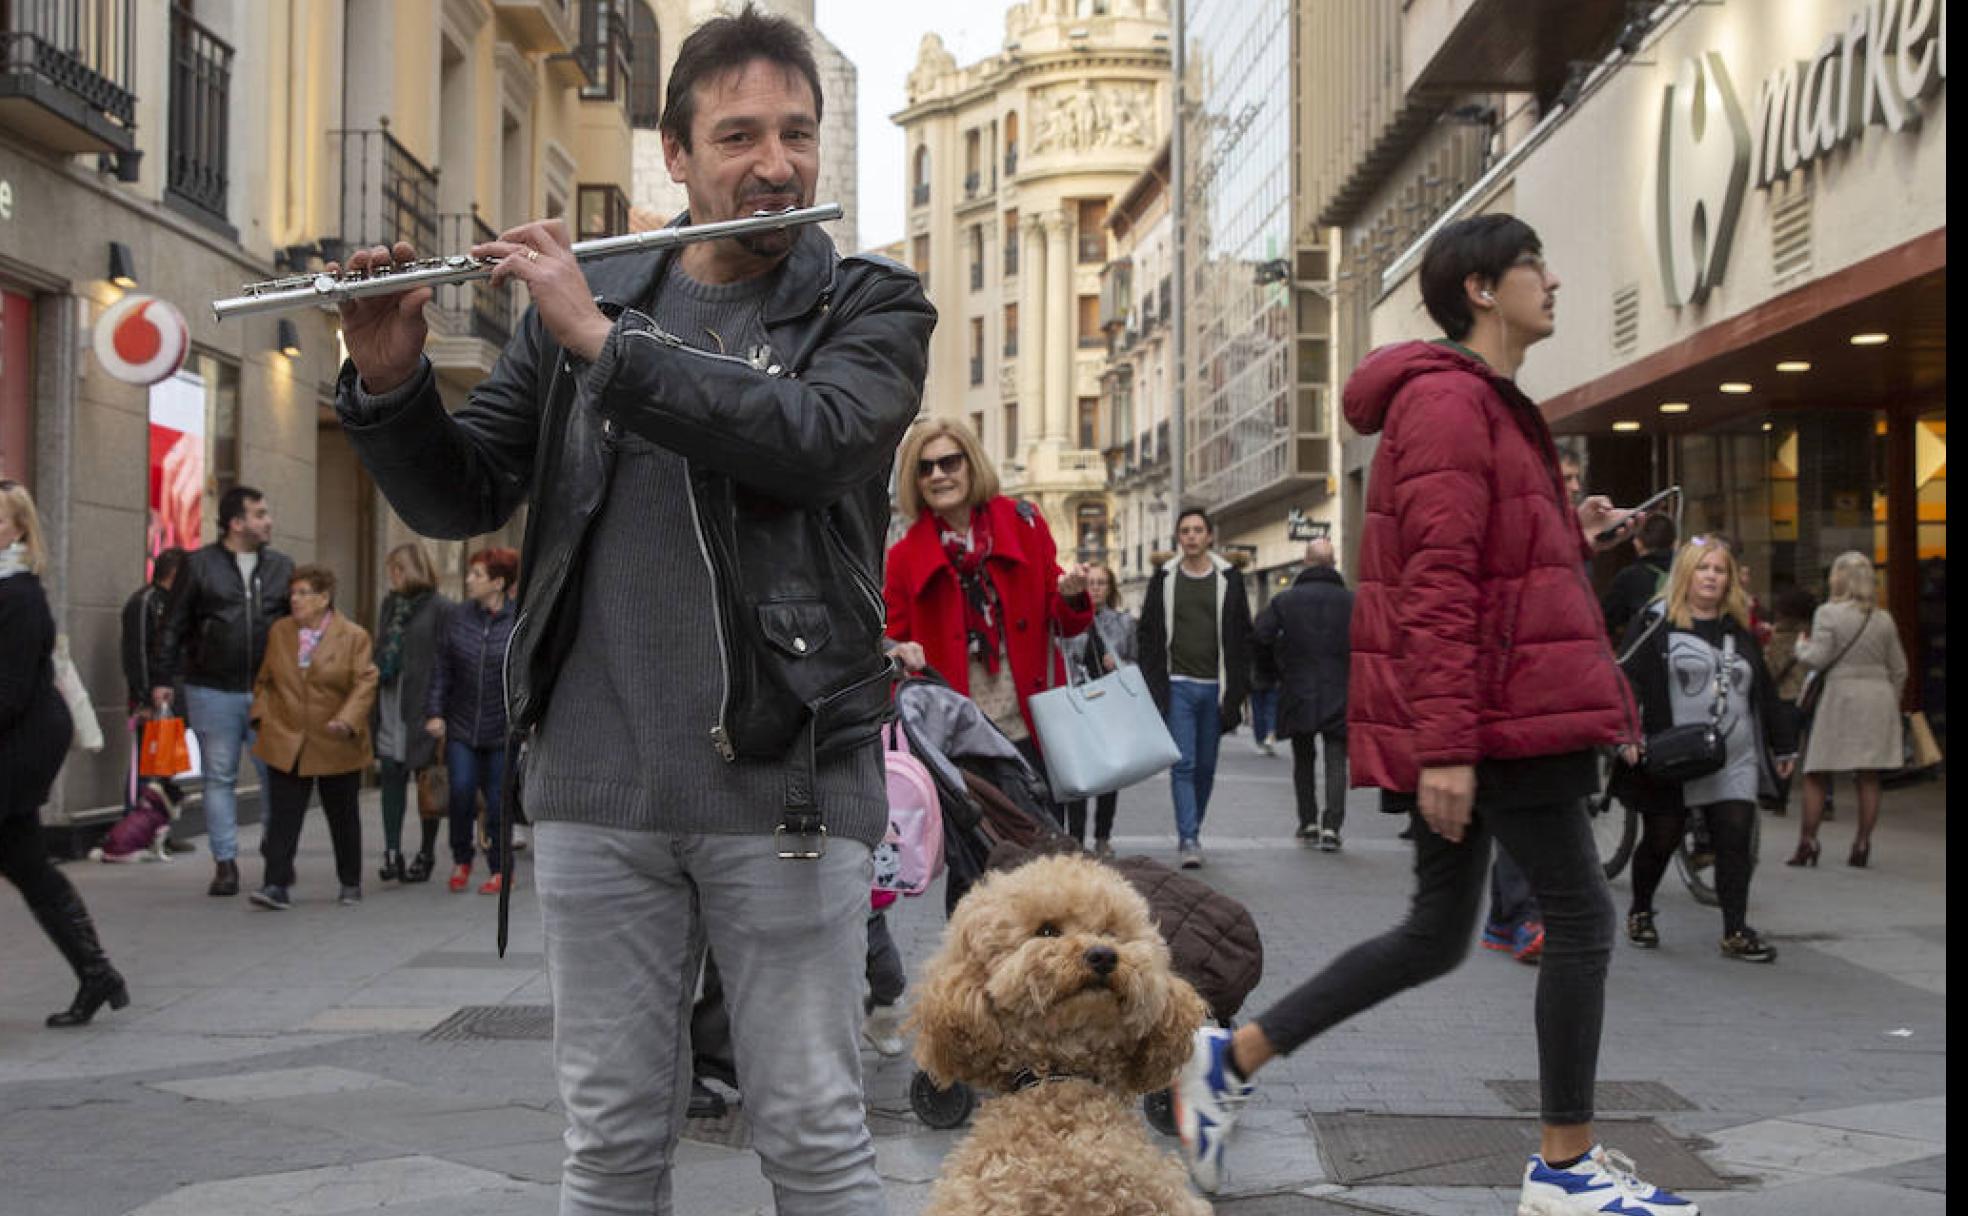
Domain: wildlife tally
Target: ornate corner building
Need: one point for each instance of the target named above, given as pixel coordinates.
(1013, 165)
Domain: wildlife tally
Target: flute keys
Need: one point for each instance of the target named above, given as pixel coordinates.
(325, 284)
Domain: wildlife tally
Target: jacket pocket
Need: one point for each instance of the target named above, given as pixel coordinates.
(795, 628)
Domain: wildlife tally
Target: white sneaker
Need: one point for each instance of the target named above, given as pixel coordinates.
(1207, 1100)
(1603, 1182)
(1190, 855)
(521, 837)
(883, 1030)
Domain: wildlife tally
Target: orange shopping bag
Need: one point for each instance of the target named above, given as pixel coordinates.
(165, 752)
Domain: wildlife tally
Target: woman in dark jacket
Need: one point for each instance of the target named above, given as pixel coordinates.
(465, 708)
(35, 730)
(1110, 643)
(1688, 657)
(407, 627)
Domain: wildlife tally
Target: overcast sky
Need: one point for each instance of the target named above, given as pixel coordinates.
(881, 37)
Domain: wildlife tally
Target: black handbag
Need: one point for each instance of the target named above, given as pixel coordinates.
(1685, 753)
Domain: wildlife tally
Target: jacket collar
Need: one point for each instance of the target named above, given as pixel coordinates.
(921, 553)
(804, 280)
(1319, 574)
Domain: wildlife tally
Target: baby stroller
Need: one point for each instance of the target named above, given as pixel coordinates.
(995, 816)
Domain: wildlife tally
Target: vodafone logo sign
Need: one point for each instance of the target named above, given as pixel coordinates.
(142, 340)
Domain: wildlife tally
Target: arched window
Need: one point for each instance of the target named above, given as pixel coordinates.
(646, 70)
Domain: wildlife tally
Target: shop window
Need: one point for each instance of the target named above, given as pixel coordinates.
(645, 68)
(17, 387)
(604, 211)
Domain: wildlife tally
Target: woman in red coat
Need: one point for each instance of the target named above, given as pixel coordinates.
(974, 587)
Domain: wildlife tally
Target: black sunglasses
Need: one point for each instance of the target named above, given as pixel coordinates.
(943, 464)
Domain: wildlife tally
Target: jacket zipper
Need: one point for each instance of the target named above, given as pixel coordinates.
(720, 734)
(252, 589)
(478, 680)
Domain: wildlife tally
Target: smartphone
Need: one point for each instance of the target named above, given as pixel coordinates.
(1614, 531)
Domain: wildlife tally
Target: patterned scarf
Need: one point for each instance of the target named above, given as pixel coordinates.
(397, 611)
(967, 552)
(310, 638)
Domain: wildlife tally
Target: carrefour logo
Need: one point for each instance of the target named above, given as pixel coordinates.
(1877, 69)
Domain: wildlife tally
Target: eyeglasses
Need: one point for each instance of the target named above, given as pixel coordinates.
(308, 591)
(945, 465)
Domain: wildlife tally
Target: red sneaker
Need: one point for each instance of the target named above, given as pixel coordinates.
(493, 885)
(460, 878)
(1530, 942)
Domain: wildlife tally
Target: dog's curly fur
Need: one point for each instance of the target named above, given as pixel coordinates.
(1017, 990)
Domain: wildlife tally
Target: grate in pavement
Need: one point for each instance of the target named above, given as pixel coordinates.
(1457, 1150)
(515, 1022)
(1606, 1095)
(1292, 1204)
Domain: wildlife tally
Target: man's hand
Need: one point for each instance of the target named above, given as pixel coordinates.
(435, 729)
(340, 729)
(384, 334)
(1446, 796)
(1073, 582)
(1597, 513)
(910, 655)
(541, 255)
(1785, 768)
(160, 700)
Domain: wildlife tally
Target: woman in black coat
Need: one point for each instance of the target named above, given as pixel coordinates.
(407, 628)
(35, 731)
(1685, 656)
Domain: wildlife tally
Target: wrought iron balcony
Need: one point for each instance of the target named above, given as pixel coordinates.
(387, 194)
(66, 71)
(201, 114)
(477, 309)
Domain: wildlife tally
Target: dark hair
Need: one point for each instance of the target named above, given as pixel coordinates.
(1794, 604)
(318, 578)
(727, 44)
(498, 563)
(1658, 533)
(232, 505)
(1485, 246)
(165, 565)
(1199, 513)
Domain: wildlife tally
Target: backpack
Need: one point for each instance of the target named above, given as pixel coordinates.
(910, 855)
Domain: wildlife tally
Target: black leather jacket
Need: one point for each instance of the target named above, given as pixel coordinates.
(789, 466)
(215, 630)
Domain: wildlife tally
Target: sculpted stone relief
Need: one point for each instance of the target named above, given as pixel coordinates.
(1085, 116)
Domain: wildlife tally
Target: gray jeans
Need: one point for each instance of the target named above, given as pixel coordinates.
(628, 915)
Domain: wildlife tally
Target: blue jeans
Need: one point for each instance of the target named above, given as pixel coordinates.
(627, 917)
(1264, 713)
(220, 720)
(1194, 720)
(474, 771)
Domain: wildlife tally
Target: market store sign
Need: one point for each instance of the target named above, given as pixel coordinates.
(1890, 56)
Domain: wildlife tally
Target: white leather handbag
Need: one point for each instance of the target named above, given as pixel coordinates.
(1100, 735)
(68, 681)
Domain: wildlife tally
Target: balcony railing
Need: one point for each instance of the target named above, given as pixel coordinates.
(201, 86)
(1093, 248)
(75, 61)
(921, 196)
(1011, 342)
(973, 182)
(1011, 161)
(387, 194)
(481, 309)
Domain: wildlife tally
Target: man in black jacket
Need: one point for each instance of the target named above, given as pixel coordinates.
(1307, 630)
(1636, 585)
(1195, 637)
(225, 599)
(695, 677)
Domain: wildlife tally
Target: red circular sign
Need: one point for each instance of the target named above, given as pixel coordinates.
(141, 339)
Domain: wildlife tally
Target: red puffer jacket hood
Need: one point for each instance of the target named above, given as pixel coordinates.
(1475, 633)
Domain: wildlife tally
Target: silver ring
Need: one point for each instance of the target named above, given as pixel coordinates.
(532, 255)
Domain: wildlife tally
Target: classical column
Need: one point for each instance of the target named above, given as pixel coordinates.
(1031, 331)
(1059, 322)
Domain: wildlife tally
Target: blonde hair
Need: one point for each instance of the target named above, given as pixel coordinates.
(18, 503)
(1681, 579)
(1854, 578)
(418, 573)
(983, 475)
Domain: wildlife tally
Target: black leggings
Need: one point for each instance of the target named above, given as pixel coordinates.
(1553, 846)
(24, 861)
(1103, 816)
(1730, 825)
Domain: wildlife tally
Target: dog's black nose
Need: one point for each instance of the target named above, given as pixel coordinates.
(1102, 959)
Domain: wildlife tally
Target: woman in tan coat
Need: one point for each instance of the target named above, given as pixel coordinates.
(311, 707)
(1855, 649)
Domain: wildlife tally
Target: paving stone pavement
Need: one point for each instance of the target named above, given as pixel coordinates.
(274, 1064)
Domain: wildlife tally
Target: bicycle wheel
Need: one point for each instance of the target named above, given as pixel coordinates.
(1615, 827)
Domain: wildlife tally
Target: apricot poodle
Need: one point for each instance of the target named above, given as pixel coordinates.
(1053, 989)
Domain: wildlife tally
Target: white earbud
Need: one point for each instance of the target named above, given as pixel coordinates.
(1490, 296)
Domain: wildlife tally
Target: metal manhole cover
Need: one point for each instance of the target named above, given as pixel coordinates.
(1606, 1095)
(512, 1022)
(1458, 1150)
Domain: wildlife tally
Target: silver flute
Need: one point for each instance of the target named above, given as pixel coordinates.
(303, 290)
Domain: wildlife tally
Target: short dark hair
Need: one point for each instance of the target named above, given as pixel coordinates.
(317, 578)
(726, 44)
(1483, 245)
(165, 565)
(1658, 533)
(1199, 513)
(498, 563)
(232, 505)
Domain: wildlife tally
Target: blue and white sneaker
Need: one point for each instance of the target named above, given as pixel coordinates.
(1602, 1184)
(1207, 1096)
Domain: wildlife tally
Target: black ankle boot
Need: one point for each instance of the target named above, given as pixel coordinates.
(419, 869)
(68, 925)
(225, 879)
(392, 869)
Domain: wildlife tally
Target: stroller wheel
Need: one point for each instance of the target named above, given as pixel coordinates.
(1159, 1109)
(940, 1108)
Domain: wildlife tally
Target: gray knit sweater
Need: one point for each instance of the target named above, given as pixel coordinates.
(626, 741)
